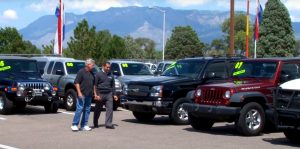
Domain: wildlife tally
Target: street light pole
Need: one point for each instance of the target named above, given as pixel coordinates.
(163, 31)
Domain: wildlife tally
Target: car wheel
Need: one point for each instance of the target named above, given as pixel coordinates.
(202, 124)
(251, 121)
(5, 105)
(51, 107)
(292, 135)
(70, 101)
(180, 115)
(143, 117)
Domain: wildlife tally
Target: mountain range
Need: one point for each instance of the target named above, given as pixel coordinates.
(136, 22)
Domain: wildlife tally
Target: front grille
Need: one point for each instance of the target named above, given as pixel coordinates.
(214, 96)
(33, 85)
(138, 90)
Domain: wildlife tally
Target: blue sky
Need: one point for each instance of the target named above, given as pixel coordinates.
(20, 13)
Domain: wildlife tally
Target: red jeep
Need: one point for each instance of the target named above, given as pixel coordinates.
(245, 97)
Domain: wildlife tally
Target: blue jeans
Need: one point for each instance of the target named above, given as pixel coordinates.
(82, 106)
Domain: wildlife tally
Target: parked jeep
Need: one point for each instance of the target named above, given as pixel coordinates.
(285, 112)
(165, 94)
(21, 84)
(245, 98)
(61, 72)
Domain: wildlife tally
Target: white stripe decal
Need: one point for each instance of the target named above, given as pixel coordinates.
(7, 147)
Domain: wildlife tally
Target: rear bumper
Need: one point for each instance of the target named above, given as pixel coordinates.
(214, 112)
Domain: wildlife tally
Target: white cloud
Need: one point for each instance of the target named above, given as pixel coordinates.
(186, 3)
(10, 14)
(82, 6)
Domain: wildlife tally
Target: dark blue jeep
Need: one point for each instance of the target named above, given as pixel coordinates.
(21, 84)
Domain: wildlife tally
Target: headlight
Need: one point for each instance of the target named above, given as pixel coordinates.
(125, 89)
(227, 94)
(198, 92)
(156, 91)
(46, 87)
(21, 87)
(117, 84)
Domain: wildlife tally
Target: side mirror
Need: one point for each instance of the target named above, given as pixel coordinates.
(59, 72)
(210, 75)
(41, 71)
(116, 73)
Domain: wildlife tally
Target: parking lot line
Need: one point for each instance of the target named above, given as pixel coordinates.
(2, 118)
(121, 109)
(6, 147)
(69, 113)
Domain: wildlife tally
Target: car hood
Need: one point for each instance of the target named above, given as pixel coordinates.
(251, 84)
(162, 80)
(129, 78)
(71, 76)
(21, 78)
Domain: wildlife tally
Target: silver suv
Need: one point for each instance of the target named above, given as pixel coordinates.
(61, 72)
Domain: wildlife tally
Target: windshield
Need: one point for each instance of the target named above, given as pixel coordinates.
(18, 66)
(135, 69)
(254, 69)
(184, 68)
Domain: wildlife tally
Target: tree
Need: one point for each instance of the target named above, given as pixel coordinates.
(133, 49)
(11, 42)
(48, 49)
(297, 51)
(183, 42)
(148, 46)
(240, 22)
(117, 48)
(83, 42)
(276, 32)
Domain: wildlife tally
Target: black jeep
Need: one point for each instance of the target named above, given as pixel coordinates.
(165, 94)
(21, 84)
(285, 112)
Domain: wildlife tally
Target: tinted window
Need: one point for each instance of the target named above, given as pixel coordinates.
(115, 67)
(74, 67)
(58, 66)
(218, 68)
(160, 66)
(254, 69)
(190, 68)
(50, 67)
(19, 66)
(135, 69)
(41, 65)
(291, 70)
(166, 66)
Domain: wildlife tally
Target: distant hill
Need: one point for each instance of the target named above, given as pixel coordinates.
(134, 21)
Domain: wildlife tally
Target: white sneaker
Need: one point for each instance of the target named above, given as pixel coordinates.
(74, 128)
(86, 128)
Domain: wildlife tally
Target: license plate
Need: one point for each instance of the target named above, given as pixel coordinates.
(38, 93)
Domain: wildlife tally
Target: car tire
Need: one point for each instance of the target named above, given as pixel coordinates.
(143, 117)
(20, 105)
(70, 101)
(251, 121)
(115, 105)
(178, 115)
(5, 104)
(202, 124)
(51, 107)
(293, 135)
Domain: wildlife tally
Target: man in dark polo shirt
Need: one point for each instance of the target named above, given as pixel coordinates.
(104, 90)
(84, 83)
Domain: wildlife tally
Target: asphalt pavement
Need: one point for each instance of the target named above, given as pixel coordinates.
(34, 129)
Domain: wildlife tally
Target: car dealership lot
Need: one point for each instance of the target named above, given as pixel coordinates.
(33, 129)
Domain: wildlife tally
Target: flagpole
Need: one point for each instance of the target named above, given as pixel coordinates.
(247, 31)
(256, 18)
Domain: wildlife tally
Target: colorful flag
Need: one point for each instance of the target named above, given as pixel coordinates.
(60, 32)
(258, 20)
